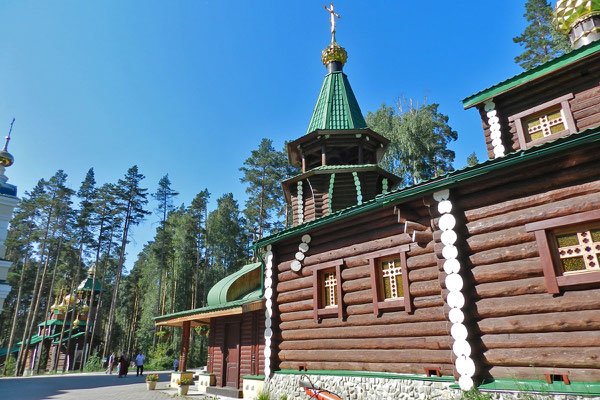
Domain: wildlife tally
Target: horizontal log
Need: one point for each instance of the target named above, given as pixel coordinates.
(430, 343)
(424, 274)
(293, 296)
(401, 368)
(549, 322)
(296, 316)
(428, 301)
(589, 122)
(589, 111)
(361, 271)
(511, 288)
(509, 253)
(382, 322)
(502, 238)
(545, 190)
(295, 284)
(413, 329)
(542, 339)
(359, 297)
(559, 208)
(295, 306)
(356, 285)
(538, 304)
(565, 357)
(380, 356)
(420, 261)
(537, 373)
(510, 270)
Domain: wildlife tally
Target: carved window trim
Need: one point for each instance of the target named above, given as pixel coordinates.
(544, 234)
(562, 102)
(318, 271)
(380, 304)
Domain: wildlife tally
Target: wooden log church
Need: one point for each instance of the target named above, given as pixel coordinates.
(486, 277)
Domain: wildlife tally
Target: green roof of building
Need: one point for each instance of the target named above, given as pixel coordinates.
(86, 285)
(66, 336)
(529, 75)
(222, 292)
(247, 298)
(336, 106)
(4, 350)
(514, 159)
(53, 322)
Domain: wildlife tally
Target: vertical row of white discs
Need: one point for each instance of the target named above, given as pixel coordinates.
(454, 283)
(494, 123)
(268, 308)
(300, 202)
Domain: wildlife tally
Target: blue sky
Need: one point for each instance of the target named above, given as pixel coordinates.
(189, 88)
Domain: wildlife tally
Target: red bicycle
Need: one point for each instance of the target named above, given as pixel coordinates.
(315, 392)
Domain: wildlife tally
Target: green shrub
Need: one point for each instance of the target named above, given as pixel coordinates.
(160, 359)
(264, 395)
(475, 394)
(93, 363)
(10, 366)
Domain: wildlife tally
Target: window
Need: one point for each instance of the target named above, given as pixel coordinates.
(327, 290)
(569, 249)
(544, 122)
(389, 280)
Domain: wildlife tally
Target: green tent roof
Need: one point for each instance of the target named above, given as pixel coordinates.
(224, 290)
(336, 106)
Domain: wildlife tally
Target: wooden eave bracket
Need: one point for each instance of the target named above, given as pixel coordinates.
(417, 231)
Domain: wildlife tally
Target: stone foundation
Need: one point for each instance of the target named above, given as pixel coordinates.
(369, 388)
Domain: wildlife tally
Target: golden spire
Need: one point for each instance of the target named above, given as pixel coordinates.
(333, 52)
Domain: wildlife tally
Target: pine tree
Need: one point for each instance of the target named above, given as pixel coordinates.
(131, 199)
(164, 196)
(541, 40)
(472, 159)
(263, 172)
(419, 136)
(198, 212)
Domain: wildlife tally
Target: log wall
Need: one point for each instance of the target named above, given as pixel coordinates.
(524, 331)
(582, 81)
(395, 341)
(251, 345)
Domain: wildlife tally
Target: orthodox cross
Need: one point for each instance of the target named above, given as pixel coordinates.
(332, 20)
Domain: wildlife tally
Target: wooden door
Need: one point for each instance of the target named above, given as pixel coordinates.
(232, 355)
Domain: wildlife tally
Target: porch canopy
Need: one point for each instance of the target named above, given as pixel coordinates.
(238, 293)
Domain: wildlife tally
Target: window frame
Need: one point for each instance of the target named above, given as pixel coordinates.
(518, 118)
(543, 230)
(379, 304)
(317, 271)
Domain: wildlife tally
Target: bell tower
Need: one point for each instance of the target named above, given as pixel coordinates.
(339, 154)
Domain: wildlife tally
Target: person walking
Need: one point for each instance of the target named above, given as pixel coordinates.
(176, 364)
(139, 362)
(111, 363)
(120, 366)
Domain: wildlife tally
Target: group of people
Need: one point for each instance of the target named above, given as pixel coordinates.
(123, 362)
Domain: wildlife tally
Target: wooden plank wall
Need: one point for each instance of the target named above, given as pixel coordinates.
(526, 332)
(394, 342)
(585, 105)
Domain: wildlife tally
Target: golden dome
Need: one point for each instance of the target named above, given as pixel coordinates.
(334, 52)
(6, 159)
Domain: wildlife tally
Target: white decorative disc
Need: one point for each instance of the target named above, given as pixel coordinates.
(268, 323)
(268, 342)
(269, 247)
(456, 300)
(267, 352)
(267, 371)
(306, 238)
(492, 114)
(465, 383)
(444, 206)
(465, 366)
(269, 258)
(296, 266)
(447, 222)
(268, 272)
(489, 105)
(451, 266)
(449, 237)
(303, 247)
(454, 282)
(456, 316)
(493, 120)
(461, 348)
(269, 333)
(459, 332)
(499, 151)
(449, 252)
(269, 304)
(441, 195)
(299, 256)
(268, 293)
(268, 282)
(496, 142)
(268, 313)
(495, 134)
(495, 127)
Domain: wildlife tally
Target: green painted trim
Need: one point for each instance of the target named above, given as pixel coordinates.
(532, 74)
(254, 377)
(203, 374)
(539, 386)
(367, 374)
(514, 159)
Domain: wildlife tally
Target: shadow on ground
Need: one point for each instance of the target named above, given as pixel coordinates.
(55, 386)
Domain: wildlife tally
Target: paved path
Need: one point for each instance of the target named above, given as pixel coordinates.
(93, 386)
